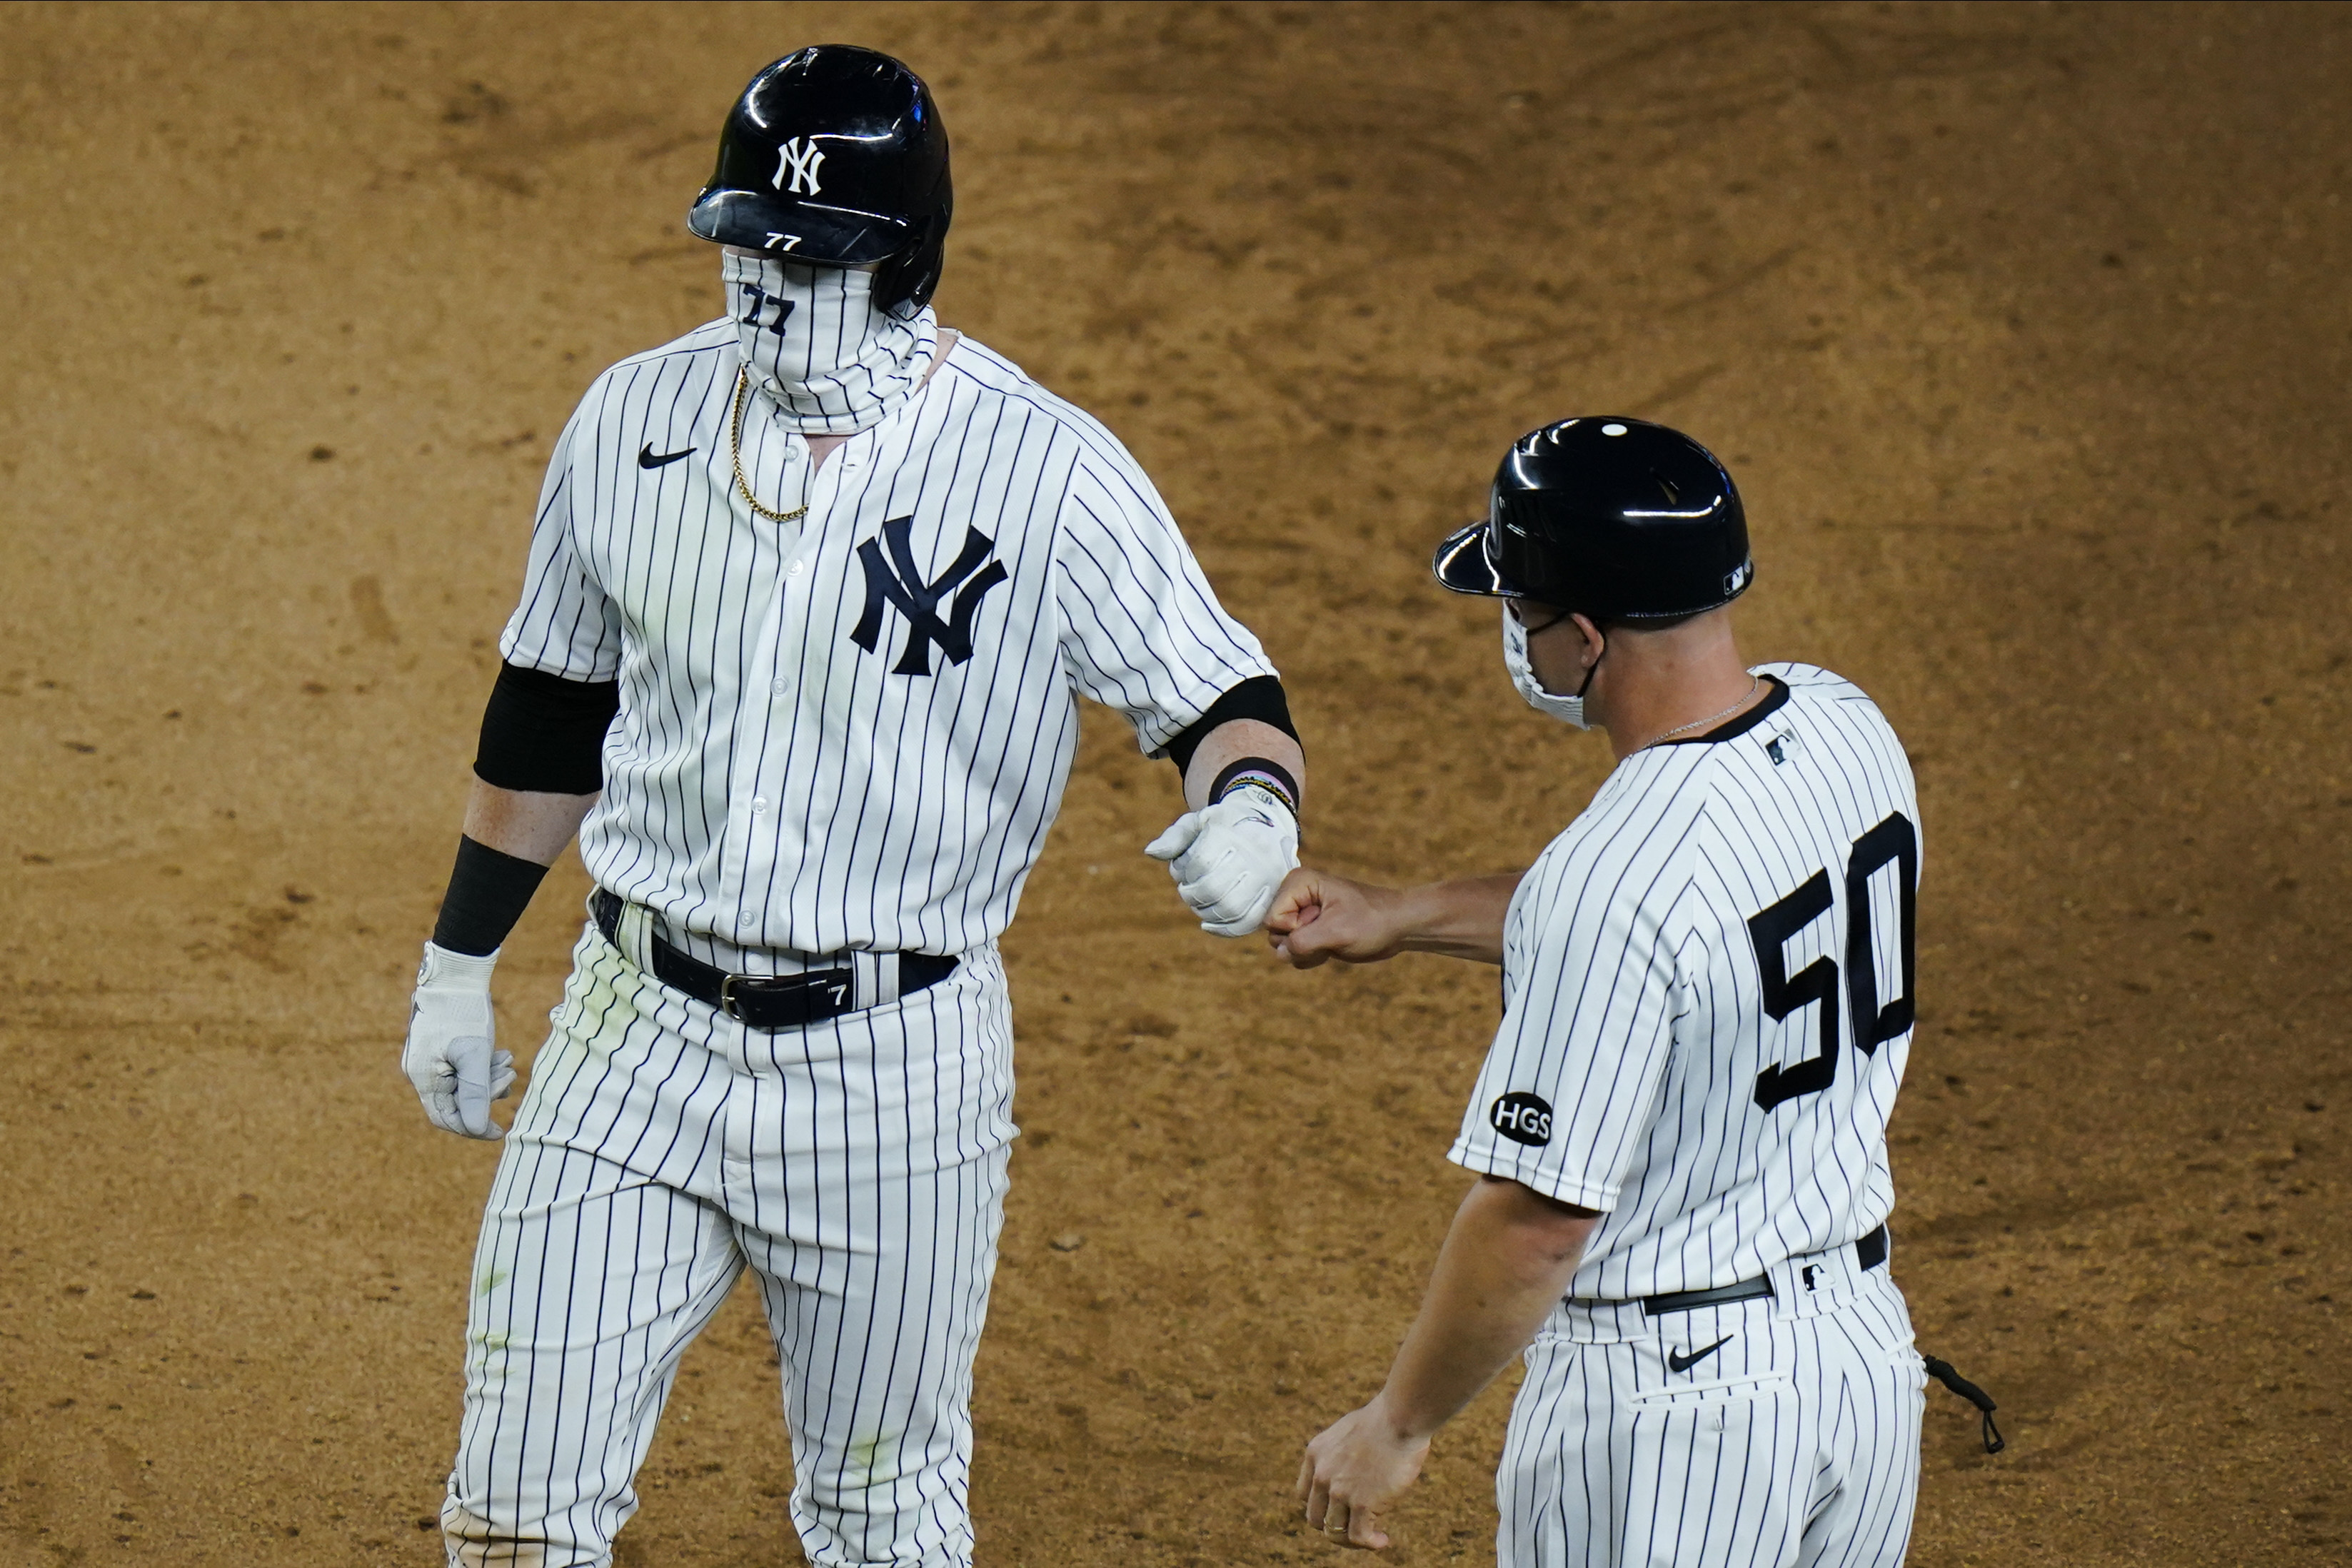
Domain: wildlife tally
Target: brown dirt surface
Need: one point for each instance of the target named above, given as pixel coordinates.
(2023, 329)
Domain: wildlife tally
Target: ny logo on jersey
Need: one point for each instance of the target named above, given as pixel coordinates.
(900, 581)
(798, 158)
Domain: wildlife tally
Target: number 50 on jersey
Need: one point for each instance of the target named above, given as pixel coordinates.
(1894, 842)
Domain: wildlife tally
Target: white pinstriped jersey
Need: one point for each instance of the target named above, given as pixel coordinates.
(852, 731)
(1704, 1025)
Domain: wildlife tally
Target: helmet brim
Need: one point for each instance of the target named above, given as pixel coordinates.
(1461, 564)
(796, 231)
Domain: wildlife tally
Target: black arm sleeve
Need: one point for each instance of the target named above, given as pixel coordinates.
(1259, 698)
(488, 890)
(545, 734)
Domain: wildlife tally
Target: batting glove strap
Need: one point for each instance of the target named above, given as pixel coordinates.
(457, 972)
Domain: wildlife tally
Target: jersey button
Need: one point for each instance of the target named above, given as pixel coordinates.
(783, 689)
(759, 804)
(797, 567)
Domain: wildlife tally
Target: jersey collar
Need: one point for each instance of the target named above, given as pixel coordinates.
(1731, 729)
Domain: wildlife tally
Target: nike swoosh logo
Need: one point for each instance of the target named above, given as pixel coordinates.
(645, 459)
(1685, 1362)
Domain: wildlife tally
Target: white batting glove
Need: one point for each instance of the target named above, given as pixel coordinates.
(450, 1054)
(1228, 859)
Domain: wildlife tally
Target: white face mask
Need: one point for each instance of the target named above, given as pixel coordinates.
(1567, 710)
(832, 361)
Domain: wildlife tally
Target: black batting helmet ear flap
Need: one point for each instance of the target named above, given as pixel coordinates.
(905, 282)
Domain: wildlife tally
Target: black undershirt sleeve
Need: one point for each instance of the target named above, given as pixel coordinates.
(545, 734)
(1260, 697)
(541, 734)
(488, 890)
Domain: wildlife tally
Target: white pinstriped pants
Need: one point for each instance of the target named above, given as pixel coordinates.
(856, 1167)
(1793, 1445)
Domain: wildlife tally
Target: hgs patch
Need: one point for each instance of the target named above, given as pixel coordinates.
(1522, 1117)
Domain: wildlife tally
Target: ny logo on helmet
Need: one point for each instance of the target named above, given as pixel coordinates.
(900, 581)
(799, 158)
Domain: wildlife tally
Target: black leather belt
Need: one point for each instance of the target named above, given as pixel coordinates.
(766, 1001)
(1870, 1252)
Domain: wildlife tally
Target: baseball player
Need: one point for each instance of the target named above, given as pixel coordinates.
(811, 596)
(1680, 1131)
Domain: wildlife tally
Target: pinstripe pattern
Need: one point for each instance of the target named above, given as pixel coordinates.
(801, 767)
(1636, 1007)
(769, 782)
(817, 343)
(856, 1168)
(1796, 1445)
(1632, 1003)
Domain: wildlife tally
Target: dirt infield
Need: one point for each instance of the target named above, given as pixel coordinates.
(2024, 330)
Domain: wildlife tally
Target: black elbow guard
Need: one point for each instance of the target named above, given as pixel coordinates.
(545, 734)
(1259, 698)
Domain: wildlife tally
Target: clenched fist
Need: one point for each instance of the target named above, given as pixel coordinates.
(1317, 916)
(451, 1055)
(1229, 858)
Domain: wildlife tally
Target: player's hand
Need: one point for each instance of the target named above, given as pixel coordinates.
(1352, 1471)
(451, 1055)
(1317, 916)
(1229, 858)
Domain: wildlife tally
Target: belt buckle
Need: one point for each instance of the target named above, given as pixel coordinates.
(726, 995)
(731, 998)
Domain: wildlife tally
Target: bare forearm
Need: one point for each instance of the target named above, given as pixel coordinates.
(1506, 1261)
(1231, 742)
(1505, 1265)
(1318, 916)
(1460, 919)
(524, 824)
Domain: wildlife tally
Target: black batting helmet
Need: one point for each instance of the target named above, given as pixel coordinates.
(835, 155)
(1619, 519)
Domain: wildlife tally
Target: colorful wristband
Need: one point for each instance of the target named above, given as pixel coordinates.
(1265, 774)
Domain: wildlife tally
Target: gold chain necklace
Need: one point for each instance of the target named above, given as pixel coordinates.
(1713, 717)
(735, 450)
